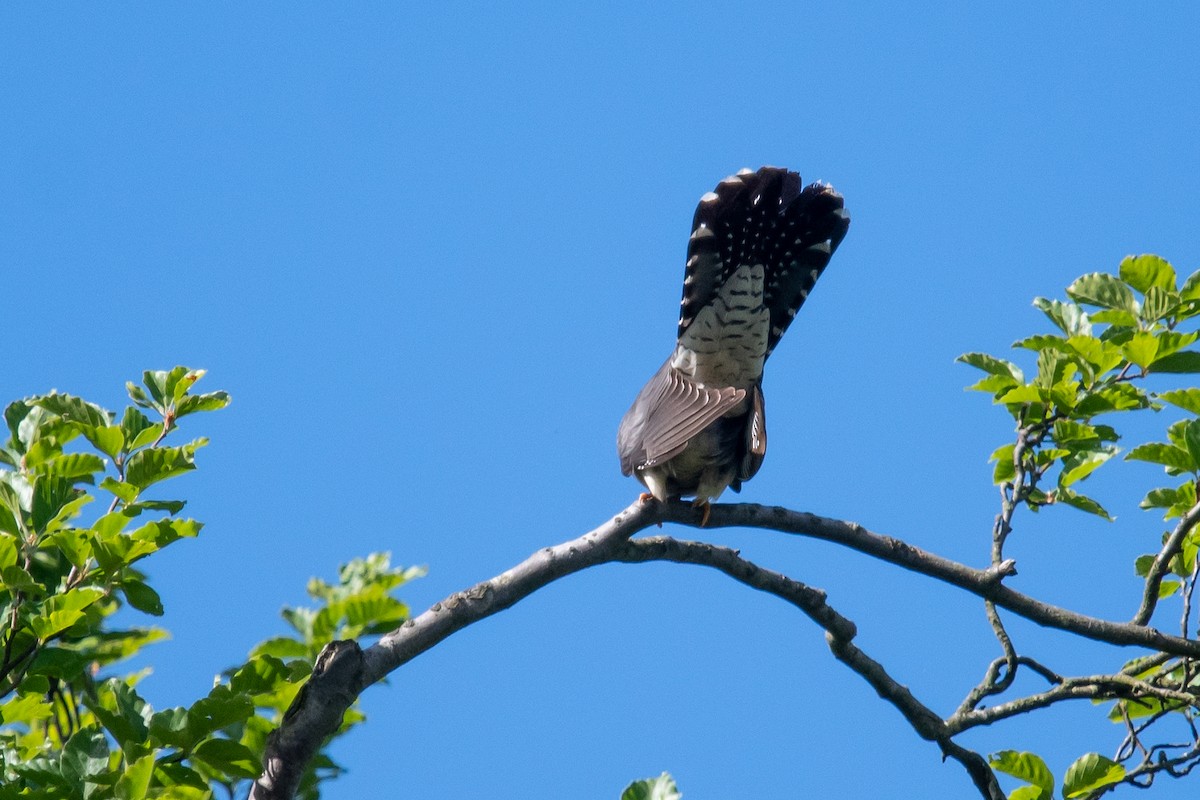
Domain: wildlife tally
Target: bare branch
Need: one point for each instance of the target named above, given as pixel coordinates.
(345, 671)
(984, 583)
(1091, 687)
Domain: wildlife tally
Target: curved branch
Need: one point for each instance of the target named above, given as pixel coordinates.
(984, 583)
(348, 671)
(1162, 561)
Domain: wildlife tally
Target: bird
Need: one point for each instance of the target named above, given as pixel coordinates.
(759, 242)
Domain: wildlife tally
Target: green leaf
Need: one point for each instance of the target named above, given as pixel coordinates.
(1023, 394)
(1104, 290)
(108, 439)
(993, 365)
(147, 467)
(1070, 318)
(1172, 341)
(1159, 304)
(135, 781)
(201, 402)
(1028, 767)
(1176, 500)
(18, 579)
(63, 610)
(1191, 439)
(1028, 792)
(1168, 588)
(1141, 349)
(1191, 287)
(142, 597)
(1146, 271)
(137, 429)
(169, 728)
(1175, 459)
(84, 756)
(220, 709)
(994, 384)
(1092, 771)
(72, 466)
(1102, 355)
(1118, 397)
(1041, 341)
(1187, 399)
(1005, 470)
(1185, 361)
(661, 788)
(74, 409)
(1082, 502)
(230, 757)
(126, 492)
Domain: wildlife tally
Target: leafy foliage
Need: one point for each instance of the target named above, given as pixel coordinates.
(660, 788)
(1114, 333)
(70, 725)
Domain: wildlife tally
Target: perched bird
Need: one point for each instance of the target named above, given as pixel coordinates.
(759, 242)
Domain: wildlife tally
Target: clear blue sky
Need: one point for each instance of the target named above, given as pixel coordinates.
(434, 254)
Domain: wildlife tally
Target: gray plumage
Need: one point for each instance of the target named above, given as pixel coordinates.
(758, 244)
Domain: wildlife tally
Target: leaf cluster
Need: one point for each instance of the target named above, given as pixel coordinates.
(70, 725)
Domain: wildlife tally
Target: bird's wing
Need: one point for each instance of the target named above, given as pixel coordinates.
(668, 412)
(763, 218)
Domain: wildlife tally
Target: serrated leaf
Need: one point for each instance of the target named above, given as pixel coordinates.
(126, 492)
(1159, 304)
(1185, 361)
(1023, 394)
(84, 756)
(108, 439)
(993, 365)
(220, 709)
(1028, 767)
(1191, 287)
(147, 467)
(1080, 464)
(1092, 771)
(1070, 318)
(1082, 502)
(169, 727)
(1174, 458)
(201, 402)
(230, 757)
(74, 409)
(661, 788)
(1042, 341)
(1187, 399)
(1146, 271)
(1191, 439)
(994, 384)
(1104, 290)
(1141, 349)
(1005, 470)
(1168, 588)
(62, 611)
(72, 466)
(135, 780)
(137, 429)
(1102, 355)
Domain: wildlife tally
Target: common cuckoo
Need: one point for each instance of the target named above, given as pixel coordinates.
(759, 242)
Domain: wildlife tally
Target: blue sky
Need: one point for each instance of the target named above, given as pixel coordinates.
(434, 251)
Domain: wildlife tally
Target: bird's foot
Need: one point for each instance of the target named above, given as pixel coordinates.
(646, 497)
(703, 503)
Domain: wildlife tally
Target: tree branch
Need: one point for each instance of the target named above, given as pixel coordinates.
(343, 671)
(1162, 562)
(984, 583)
